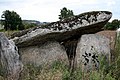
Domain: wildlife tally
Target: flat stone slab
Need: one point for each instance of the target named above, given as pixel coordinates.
(73, 27)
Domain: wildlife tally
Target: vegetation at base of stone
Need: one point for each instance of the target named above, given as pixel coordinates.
(65, 13)
(59, 71)
(115, 24)
(115, 68)
(11, 21)
(46, 72)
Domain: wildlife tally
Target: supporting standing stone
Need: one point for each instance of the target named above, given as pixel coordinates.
(90, 47)
(70, 47)
(10, 64)
(45, 54)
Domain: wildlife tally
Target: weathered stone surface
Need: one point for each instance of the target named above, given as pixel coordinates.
(112, 35)
(89, 48)
(43, 54)
(20, 33)
(60, 31)
(10, 64)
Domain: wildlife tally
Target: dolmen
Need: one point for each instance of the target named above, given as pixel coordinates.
(61, 38)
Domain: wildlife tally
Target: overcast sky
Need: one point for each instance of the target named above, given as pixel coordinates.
(48, 10)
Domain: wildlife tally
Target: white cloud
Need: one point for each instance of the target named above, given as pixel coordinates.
(48, 10)
(111, 3)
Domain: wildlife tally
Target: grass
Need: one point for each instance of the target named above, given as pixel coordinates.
(59, 71)
(53, 72)
(9, 32)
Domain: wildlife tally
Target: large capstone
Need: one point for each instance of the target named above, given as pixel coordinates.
(73, 27)
(10, 64)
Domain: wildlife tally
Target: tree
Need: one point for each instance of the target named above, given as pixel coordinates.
(108, 26)
(115, 24)
(65, 13)
(11, 20)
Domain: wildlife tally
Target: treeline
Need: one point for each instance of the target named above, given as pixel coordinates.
(12, 21)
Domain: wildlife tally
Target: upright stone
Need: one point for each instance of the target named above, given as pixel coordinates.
(90, 47)
(44, 54)
(10, 64)
(112, 36)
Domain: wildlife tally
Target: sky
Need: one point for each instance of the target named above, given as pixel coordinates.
(48, 10)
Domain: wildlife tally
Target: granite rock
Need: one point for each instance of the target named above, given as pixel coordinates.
(10, 63)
